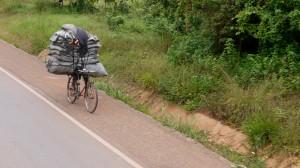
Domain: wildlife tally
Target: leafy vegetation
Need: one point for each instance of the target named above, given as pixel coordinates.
(262, 130)
(240, 59)
(251, 42)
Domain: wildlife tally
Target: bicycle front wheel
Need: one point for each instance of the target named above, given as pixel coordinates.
(91, 98)
(72, 90)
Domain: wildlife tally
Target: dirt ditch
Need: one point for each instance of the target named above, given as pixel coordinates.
(216, 130)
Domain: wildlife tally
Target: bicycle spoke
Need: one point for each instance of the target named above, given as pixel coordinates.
(91, 98)
(72, 90)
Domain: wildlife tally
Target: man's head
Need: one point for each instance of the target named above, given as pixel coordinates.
(72, 33)
(69, 27)
(78, 36)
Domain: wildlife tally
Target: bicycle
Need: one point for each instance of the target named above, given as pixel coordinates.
(89, 91)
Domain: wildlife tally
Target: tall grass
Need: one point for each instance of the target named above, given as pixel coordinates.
(14, 6)
(265, 115)
(237, 104)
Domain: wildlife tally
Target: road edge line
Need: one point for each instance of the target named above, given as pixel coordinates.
(74, 121)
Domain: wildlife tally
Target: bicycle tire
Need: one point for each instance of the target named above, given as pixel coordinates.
(72, 90)
(90, 94)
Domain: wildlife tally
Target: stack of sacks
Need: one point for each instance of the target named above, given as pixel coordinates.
(64, 58)
(60, 56)
(91, 58)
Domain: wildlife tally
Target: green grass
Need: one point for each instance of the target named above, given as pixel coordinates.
(15, 6)
(135, 54)
(250, 161)
(119, 94)
(262, 129)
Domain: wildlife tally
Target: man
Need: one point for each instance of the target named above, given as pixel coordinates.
(80, 38)
(77, 37)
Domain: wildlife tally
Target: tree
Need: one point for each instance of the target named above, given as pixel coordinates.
(61, 2)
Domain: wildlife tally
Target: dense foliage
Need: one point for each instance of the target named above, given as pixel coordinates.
(263, 36)
(83, 5)
(237, 57)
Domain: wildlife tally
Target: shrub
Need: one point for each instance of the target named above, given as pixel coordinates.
(136, 27)
(184, 87)
(236, 104)
(86, 6)
(255, 68)
(147, 80)
(119, 7)
(290, 138)
(114, 22)
(190, 48)
(160, 26)
(43, 5)
(230, 54)
(262, 129)
(13, 6)
(122, 6)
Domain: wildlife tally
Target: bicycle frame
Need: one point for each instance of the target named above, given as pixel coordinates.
(77, 68)
(79, 72)
(86, 80)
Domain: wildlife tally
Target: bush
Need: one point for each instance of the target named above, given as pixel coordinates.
(290, 138)
(114, 22)
(86, 6)
(43, 5)
(236, 104)
(184, 87)
(256, 68)
(119, 7)
(136, 27)
(12, 6)
(230, 55)
(190, 48)
(262, 129)
(122, 6)
(161, 26)
(147, 80)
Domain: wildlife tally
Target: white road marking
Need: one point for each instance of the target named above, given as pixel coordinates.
(91, 133)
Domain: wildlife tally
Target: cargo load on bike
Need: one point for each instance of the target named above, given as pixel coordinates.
(75, 52)
(63, 57)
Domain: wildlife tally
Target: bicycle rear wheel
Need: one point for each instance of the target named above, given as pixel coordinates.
(72, 89)
(90, 97)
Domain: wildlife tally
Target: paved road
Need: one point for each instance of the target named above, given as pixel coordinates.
(136, 135)
(34, 135)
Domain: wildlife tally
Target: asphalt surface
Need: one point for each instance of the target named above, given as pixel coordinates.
(34, 136)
